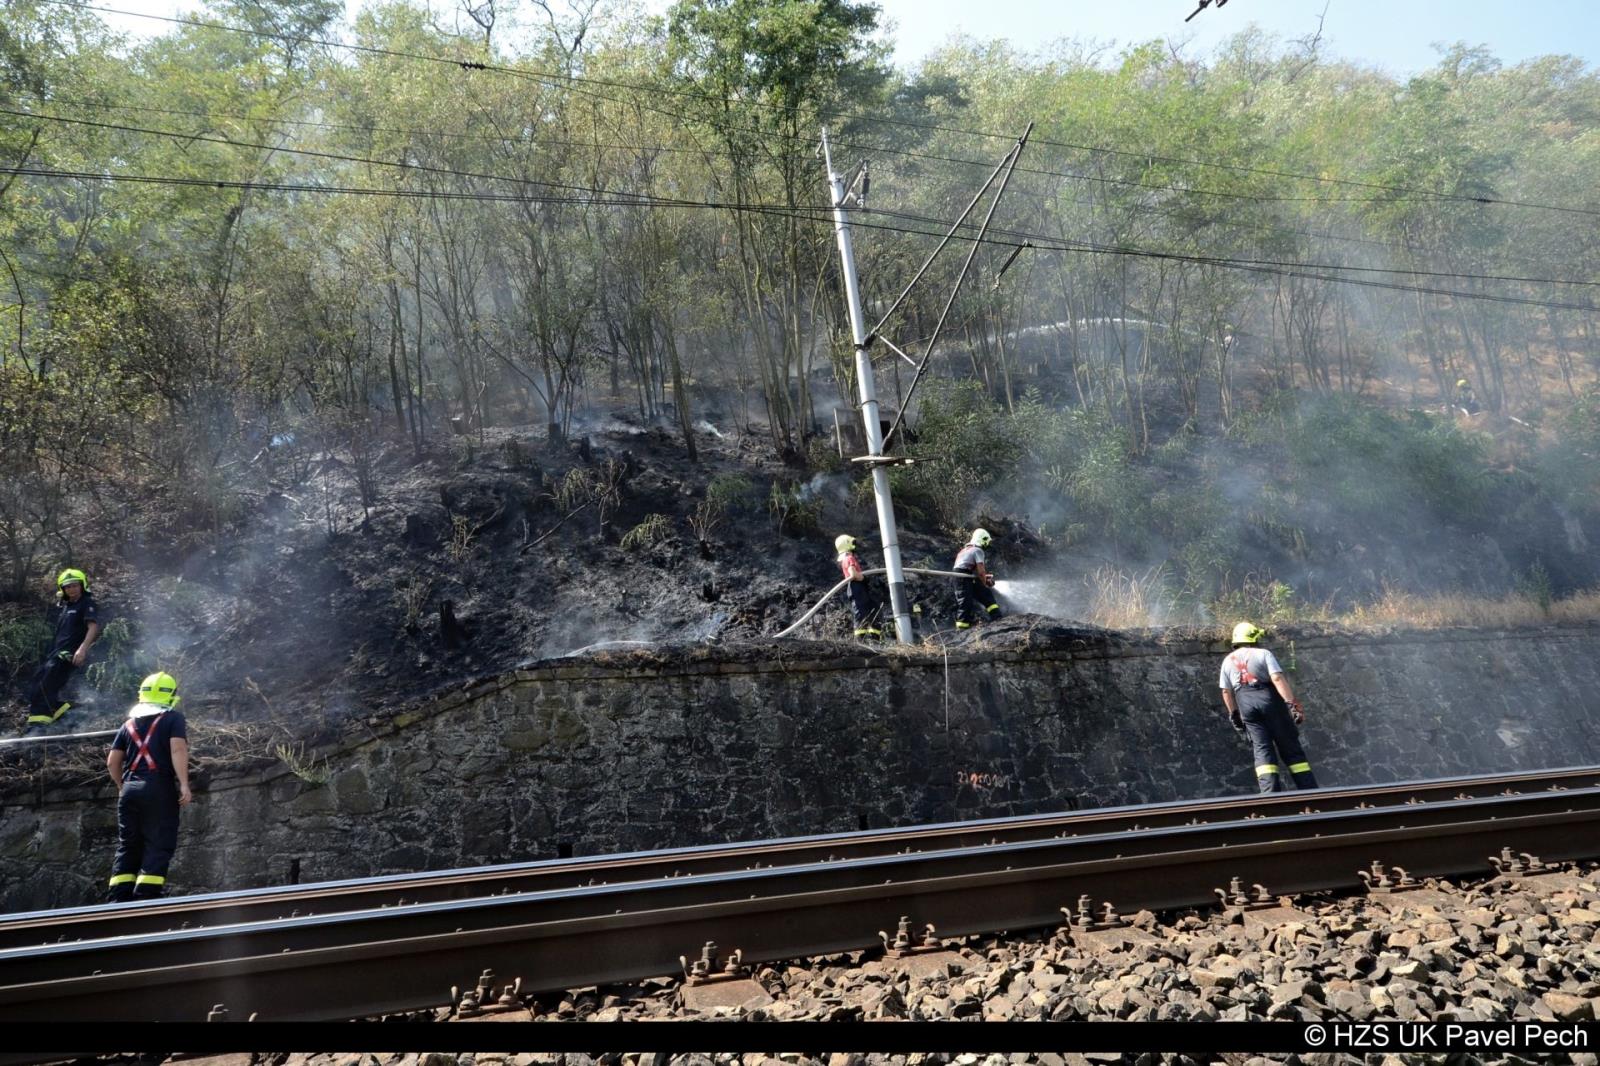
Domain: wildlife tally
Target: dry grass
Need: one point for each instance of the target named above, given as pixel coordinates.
(1120, 600)
(1440, 611)
(1124, 600)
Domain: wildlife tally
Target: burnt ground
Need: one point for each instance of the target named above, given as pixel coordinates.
(478, 556)
(488, 552)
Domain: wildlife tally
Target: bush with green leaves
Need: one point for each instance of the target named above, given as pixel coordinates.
(23, 639)
(791, 511)
(728, 493)
(113, 671)
(647, 534)
(1368, 464)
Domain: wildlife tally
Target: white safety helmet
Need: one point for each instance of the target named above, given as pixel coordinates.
(981, 538)
(844, 542)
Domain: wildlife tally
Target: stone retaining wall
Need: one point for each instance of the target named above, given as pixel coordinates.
(630, 754)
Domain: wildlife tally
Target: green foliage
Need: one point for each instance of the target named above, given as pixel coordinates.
(729, 493)
(1369, 464)
(1262, 600)
(1568, 465)
(652, 531)
(969, 446)
(23, 640)
(1537, 587)
(791, 512)
(114, 671)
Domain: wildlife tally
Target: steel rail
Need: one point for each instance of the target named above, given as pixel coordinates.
(251, 905)
(400, 958)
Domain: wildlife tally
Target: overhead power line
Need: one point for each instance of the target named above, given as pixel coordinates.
(659, 89)
(619, 195)
(1257, 226)
(1310, 271)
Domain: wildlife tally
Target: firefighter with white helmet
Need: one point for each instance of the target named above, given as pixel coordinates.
(1262, 705)
(149, 764)
(977, 589)
(863, 603)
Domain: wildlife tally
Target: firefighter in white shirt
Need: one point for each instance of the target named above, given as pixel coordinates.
(1262, 705)
(978, 590)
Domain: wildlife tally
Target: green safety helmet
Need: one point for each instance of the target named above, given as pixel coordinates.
(68, 577)
(981, 538)
(844, 542)
(1247, 633)
(160, 688)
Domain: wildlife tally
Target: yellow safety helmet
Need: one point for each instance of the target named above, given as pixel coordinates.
(68, 577)
(1247, 633)
(981, 538)
(160, 689)
(844, 542)
(1461, 384)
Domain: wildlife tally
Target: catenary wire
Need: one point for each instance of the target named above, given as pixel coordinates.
(671, 201)
(653, 90)
(1252, 226)
(818, 215)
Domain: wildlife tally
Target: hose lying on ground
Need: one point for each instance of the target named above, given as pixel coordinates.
(865, 573)
(58, 736)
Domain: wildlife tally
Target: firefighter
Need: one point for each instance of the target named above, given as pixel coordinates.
(1261, 705)
(976, 590)
(77, 628)
(149, 764)
(1465, 398)
(862, 601)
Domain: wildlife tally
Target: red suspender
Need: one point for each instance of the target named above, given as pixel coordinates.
(143, 756)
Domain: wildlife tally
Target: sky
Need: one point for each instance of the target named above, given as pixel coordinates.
(1396, 35)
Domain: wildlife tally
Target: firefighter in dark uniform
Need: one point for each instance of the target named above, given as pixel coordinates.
(863, 603)
(149, 764)
(77, 628)
(977, 590)
(1261, 705)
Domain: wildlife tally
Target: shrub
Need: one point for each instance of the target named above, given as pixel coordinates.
(791, 512)
(729, 492)
(23, 639)
(652, 531)
(113, 671)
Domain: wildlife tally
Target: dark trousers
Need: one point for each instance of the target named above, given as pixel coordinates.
(975, 599)
(44, 689)
(1276, 744)
(147, 835)
(864, 605)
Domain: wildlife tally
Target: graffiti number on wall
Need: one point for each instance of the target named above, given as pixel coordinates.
(982, 782)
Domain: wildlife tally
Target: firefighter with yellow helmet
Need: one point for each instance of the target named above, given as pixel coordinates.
(149, 764)
(77, 628)
(975, 594)
(1262, 705)
(864, 603)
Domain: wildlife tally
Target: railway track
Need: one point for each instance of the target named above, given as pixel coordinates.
(570, 923)
(254, 905)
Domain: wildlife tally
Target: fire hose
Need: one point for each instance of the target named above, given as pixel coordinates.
(865, 573)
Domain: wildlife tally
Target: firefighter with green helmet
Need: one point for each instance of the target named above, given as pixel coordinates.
(77, 628)
(1261, 704)
(864, 605)
(149, 764)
